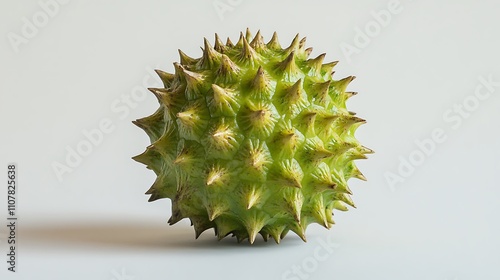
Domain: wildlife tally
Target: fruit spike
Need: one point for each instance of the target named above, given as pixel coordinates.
(165, 77)
(185, 59)
(253, 139)
(293, 46)
(258, 42)
(228, 71)
(219, 46)
(274, 44)
(315, 64)
(248, 55)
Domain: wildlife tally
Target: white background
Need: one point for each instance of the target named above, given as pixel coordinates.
(438, 221)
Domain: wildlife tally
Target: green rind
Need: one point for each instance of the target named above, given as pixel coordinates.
(253, 138)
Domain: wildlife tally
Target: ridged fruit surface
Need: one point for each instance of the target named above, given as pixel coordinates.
(252, 138)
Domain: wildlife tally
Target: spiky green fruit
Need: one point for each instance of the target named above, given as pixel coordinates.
(253, 139)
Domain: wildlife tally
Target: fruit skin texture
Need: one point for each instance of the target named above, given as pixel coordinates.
(253, 138)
